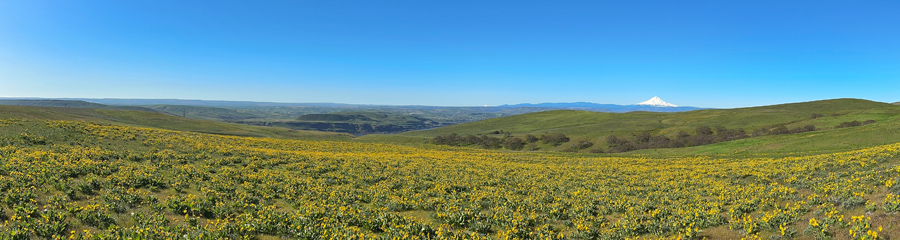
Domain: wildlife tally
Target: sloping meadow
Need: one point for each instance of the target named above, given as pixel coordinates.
(82, 180)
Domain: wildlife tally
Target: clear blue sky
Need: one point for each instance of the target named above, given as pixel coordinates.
(453, 53)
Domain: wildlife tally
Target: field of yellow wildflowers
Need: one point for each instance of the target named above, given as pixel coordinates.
(78, 180)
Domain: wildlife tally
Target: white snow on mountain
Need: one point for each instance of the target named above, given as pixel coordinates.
(656, 102)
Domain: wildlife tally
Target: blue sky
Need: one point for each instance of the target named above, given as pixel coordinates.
(453, 53)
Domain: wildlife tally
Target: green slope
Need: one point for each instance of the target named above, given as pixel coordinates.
(596, 126)
(156, 120)
(823, 141)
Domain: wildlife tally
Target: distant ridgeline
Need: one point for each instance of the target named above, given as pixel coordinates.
(67, 104)
(345, 118)
(357, 122)
(596, 107)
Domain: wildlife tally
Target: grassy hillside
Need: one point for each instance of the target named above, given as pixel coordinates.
(156, 120)
(824, 141)
(596, 127)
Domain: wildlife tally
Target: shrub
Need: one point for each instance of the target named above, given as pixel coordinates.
(807, 128)
(490, 142)
(614, 141)
(581, 145)
(554, 139)
(780, 129)
(704, 130)
(761, 132)
(514, 143)
(659, 141)
(530, 138)
(849, 124)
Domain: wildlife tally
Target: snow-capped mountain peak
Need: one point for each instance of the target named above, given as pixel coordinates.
(656, 102)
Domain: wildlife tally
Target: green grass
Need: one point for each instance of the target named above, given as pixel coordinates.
(158, 120)
(596, 126)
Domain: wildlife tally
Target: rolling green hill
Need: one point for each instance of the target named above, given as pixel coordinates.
(156, 120)
(596, 127)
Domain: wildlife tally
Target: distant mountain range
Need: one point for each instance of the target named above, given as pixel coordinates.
(203, 103)
(655, 104)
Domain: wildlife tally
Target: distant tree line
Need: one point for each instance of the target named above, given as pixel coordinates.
(845, 124)
(580, 145)
(782, 129)
(703, 135)
(854, 124)
(507, 141)
(645, 140)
